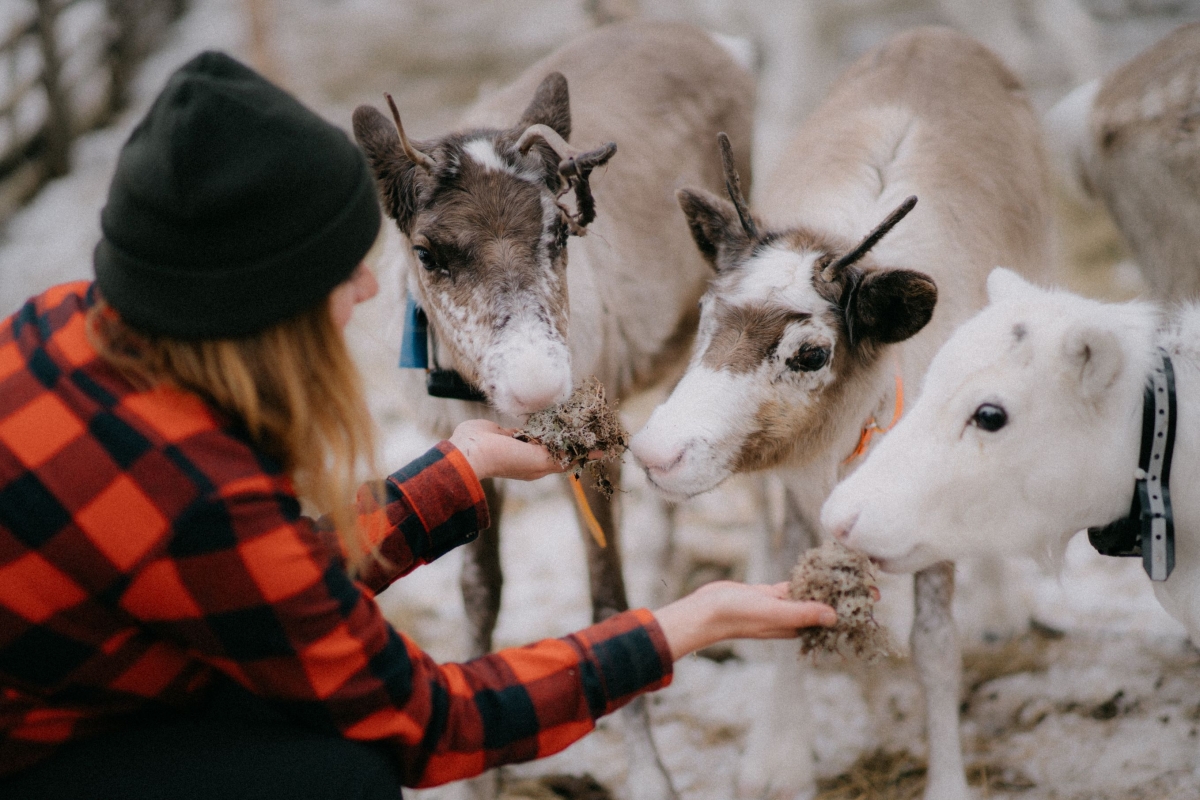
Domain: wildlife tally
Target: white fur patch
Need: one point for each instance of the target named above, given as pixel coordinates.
(689, 441)
(526, 367)
(739, 48)
(1068, 137)
(778, 275)
(483, 152)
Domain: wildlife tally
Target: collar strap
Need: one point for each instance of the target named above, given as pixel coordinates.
(1149, 529)
(416, 346)
(871, 427)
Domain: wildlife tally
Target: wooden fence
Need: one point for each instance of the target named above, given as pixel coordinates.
(65, 67)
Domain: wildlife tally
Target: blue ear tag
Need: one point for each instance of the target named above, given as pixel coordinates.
(414, 344)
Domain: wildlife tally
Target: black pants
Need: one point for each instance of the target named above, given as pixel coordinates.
(236, 747)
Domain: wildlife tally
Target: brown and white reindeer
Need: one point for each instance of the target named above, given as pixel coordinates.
(806, 338)
(520, 308)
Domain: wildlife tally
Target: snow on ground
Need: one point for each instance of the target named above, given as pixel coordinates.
(1100, 699)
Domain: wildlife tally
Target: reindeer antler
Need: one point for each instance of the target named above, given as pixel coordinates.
(414, 155)
(733, 185)
(835, 268)
(575, 167)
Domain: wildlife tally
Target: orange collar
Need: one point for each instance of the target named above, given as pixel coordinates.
(872, 427)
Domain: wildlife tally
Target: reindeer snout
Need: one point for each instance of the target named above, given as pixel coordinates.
(841, 530)
(532, 397)
(657, 457)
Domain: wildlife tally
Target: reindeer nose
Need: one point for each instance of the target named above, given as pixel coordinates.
(531, 399)
(841, 532)
(657, 457)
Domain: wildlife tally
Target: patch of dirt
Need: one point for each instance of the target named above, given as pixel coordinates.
(1032, 651)
(844, 579)
(900, 775)
(557, 787)
(581, 425)
(877, 776)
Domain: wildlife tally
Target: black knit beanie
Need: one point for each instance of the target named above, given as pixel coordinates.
(233, 207)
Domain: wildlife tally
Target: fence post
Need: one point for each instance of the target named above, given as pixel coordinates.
(58, 123)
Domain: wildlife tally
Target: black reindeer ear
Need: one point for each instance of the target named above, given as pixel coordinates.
(715, 227)
(551, 106)
(395, 174)
(889, 305)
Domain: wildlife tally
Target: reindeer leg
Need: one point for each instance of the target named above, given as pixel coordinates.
(777, 762)
(482, 577)
(936, 656)
(672, 570)
(481, 581)
(647, 777)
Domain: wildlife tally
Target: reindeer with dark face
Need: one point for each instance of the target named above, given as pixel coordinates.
(520, 303)
(809, 334)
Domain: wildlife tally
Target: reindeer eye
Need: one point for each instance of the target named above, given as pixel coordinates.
(808, 359)
(989, 417)
(425, 257)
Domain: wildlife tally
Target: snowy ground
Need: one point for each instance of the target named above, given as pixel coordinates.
(1100, 699)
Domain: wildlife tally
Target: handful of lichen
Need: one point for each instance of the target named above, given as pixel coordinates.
(844, 579)
(574, 429)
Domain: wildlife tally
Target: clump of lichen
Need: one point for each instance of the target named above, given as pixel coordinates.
(844, 579)
(583, 424)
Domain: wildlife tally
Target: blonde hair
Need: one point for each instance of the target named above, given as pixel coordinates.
(293, 386)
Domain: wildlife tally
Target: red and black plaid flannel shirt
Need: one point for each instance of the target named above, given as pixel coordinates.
(145, 548)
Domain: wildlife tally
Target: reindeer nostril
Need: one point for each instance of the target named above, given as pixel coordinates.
(842, 532)
(660, 459)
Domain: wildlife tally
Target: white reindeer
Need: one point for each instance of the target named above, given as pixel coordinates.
(1029, 429)
(800, 355)
(520, 310)
(1132, 140)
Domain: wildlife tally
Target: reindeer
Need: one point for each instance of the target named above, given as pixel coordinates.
(1045, 414)
(520, 304)
(1132, 140)
(807, 339)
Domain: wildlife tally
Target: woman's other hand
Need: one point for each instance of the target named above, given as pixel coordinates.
(730, 610)
(493, 452)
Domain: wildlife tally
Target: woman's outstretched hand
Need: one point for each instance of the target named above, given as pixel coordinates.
(493, 453)
(730, 610)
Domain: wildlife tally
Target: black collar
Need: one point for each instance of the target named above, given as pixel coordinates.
(1149, 529)
(416, 345)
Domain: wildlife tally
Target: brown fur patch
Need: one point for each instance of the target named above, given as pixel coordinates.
(782, 429)
(747, 335)
(488, 225)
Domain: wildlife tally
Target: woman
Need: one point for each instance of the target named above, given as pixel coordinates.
(171, 624)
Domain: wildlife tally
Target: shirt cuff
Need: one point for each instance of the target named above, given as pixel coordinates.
(445, 497)
(624, 656)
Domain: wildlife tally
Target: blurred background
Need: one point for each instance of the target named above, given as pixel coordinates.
(1100, 698)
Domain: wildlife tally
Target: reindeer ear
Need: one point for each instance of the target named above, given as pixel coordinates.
(551, 105)
(1094, 359)
(394, 172)
(1004, 283)
(715, 227)
(890, 305)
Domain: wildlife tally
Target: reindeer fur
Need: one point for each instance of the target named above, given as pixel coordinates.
(525, 310)
(795, 353)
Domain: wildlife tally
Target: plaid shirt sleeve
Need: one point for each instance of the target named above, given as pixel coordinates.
(143, 546)
(278, 613)
(430, 506)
